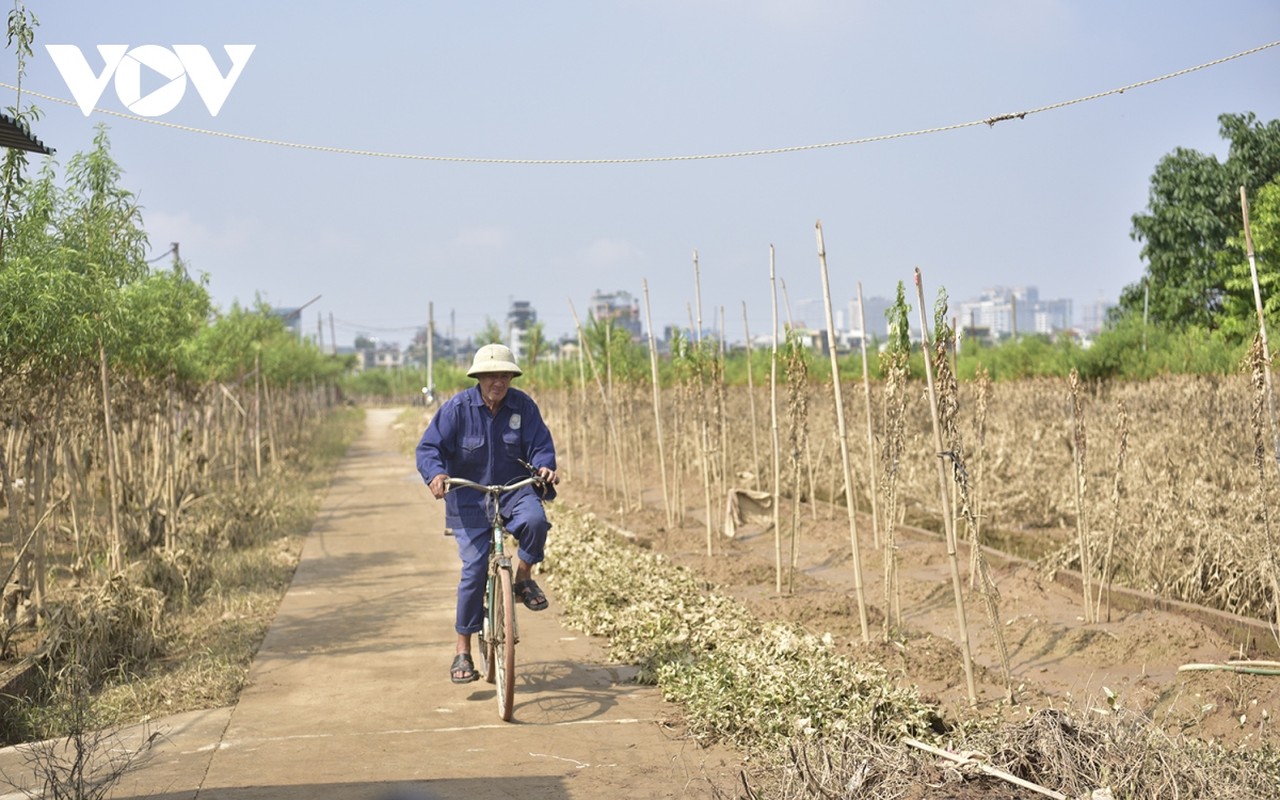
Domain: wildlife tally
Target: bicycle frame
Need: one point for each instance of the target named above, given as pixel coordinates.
(499, 635)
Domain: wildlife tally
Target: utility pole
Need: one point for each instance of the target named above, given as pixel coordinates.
(320, 331)
(333, 338)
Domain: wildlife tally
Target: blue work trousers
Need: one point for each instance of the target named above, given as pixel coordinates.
(528, 524)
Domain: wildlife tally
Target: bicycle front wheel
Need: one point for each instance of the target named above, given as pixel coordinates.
(504, 644)
(489, 635)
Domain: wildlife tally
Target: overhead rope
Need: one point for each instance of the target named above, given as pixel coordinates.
(989, 121)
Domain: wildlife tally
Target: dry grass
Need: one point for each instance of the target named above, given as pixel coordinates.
(178, 631)
(1071, 753)
(1181, 518)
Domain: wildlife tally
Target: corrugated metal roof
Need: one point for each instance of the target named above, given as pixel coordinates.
(15, 136)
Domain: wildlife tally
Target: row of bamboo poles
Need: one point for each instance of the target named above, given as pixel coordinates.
(98, 473)
(614, 438)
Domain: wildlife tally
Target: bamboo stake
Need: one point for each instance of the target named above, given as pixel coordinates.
(1262, 325)
(871, 433)
(42, 488)
(1234, 667)
(170, 472)
(608, 388)
(116, 554)
(272, 435)
(1104, 580)
(795, 525)
(945, 496)
(751, 399)
(810, 474)
(844, 441)
(702, 405)
(697, 294)
(720, 413)
(994, 772)
(608, 408)
(1078, 450)
(657, 405)
(257, 415)
(773, 416)
(584, 448)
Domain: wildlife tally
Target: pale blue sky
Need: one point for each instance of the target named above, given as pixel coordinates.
(1045, 201)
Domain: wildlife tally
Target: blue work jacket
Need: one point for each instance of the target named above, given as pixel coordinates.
(464, 440)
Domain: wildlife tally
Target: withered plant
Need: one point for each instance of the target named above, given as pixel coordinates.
(1078, 447)
(948, 415)
(1117, 489)
(896, 366)
(1259, 367)
(797, 372)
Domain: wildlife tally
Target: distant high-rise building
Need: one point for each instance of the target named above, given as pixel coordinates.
(620, 307)
(877, 324)
(519, 317)
(1004, 311)
(1093, 316)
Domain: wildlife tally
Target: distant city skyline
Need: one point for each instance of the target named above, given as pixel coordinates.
(381, 160)
(991, 311)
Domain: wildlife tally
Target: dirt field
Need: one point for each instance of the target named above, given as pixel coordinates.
(1056, 659)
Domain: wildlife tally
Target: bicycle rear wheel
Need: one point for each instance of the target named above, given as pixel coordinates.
(504, 644)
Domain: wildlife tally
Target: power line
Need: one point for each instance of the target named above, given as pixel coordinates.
(989, 121)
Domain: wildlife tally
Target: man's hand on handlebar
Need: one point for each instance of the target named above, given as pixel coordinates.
(439, 485)
(548, 475)
(545, 474)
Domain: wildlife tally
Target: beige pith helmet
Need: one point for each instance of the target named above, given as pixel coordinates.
(493, 358)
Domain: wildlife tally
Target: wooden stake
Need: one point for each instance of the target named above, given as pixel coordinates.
(844, 441)
(608, 408)
(945, 497)
(116, 555)
(1078, 451)
(751, 398)
(1262, 326)
(871, 432)
(720, 413)
(703, 410)
(257, 415)
(994, 772)
(583, 444)
(657, 406)
(773, 417)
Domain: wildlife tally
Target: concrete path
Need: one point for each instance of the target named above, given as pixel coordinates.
(349, 696)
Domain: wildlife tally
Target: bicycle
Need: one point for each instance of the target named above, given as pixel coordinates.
(499, 636)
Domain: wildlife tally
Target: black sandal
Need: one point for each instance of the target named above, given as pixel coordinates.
(533, 597)
(462, 663)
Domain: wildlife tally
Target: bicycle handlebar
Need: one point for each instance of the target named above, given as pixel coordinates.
(493, 489)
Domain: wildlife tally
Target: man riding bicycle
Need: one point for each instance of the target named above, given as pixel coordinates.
(487, 434)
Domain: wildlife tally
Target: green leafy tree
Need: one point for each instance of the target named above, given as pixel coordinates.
(1239, 305)
(535, 344)
(226, 348)
(71, 255)
(1193, 211)
(21, 34)
(161, 316)
(612, 344)
(489, 334)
